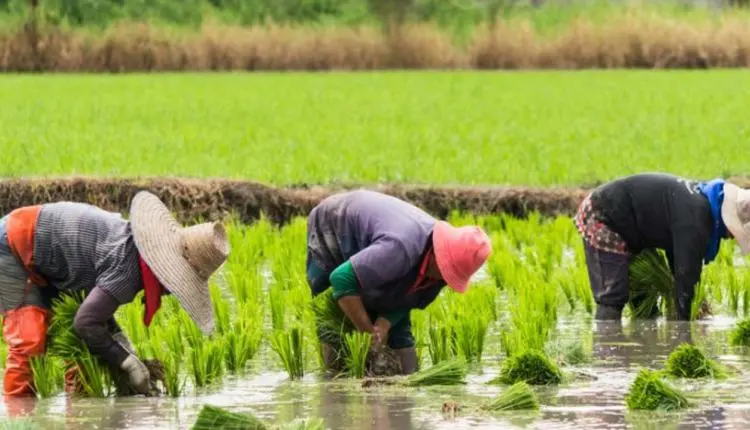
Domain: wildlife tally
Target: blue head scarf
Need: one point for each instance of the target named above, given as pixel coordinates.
(714, 192)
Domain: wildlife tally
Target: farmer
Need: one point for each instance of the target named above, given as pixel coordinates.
(685, 218)
(61, 247)
(383, 257)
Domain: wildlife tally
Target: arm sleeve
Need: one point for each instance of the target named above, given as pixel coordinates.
(344, 281)
(92, 325)
(687, 258)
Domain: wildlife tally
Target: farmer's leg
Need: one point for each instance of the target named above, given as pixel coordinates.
(608, 274)
(25, 320)
(401, 340)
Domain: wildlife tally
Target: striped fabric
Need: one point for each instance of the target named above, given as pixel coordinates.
(80, 246)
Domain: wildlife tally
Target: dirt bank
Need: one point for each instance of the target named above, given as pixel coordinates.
(193, 199)
(626, 41)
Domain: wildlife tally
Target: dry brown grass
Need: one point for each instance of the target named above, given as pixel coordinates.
(629, 41)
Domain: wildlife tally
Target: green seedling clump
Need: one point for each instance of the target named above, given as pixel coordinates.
(689, 361)
(531, 366)
(740, 335)
(212, 417)
(449, 372)
(520, 396)
(650, 279)
(650, 392)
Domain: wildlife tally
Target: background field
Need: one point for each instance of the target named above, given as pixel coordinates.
(439, 128)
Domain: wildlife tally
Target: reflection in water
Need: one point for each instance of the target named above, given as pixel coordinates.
(618, 351)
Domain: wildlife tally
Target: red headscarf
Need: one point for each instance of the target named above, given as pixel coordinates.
(152, 290)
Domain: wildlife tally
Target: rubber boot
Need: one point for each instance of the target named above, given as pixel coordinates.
(608, 313)
(408, 358)
(25, 333)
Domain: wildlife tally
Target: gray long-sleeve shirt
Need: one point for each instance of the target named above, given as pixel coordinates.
(82, 247)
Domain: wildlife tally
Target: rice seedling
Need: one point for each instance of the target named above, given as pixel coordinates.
(449, 372)
(531, 366)
(48, 375)
(357, 347)
(651, 280)
(520, 396)
(221, 309)
(207, 362)
(93, 375)
(289, 346)
(211, 417)
(168, 349)
(242, 342)
(650, 392)
(689, 361)
(740, 334)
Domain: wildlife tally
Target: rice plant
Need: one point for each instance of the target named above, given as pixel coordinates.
(689, 361)
(242, 341)
(650, 392)
(357, 347)
(92, 374)
(651, 280)
(531, 366)
(519, 396)
(48, 374)
(207, 362)
(740, 334)
(449, 372)
(211, 417)
(289, 346)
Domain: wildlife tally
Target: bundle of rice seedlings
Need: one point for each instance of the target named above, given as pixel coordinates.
(214, 418)
(449, 372)
(650, 392)
(740, 335)
(520, 396)
(689, 361)
(650, 279)
(357, 347)
(48, 375)
(532, 366)
(289, 345)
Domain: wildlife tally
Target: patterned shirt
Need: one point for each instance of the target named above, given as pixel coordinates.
(78, 246)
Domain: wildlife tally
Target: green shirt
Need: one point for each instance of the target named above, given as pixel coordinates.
(344, 283)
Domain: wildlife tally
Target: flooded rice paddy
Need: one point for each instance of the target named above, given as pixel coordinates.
(618, 351)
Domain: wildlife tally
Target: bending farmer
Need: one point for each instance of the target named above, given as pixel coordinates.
(61, 247)
(383, 257)
(685, 218)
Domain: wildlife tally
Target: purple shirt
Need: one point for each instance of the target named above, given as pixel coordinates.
(385, 239)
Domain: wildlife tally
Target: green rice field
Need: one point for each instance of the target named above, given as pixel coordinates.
(520, 350)
(533, 128)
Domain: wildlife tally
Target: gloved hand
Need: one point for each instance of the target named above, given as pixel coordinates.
(138, 375)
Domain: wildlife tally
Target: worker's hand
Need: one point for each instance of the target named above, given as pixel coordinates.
(380, 332)
(138, 375)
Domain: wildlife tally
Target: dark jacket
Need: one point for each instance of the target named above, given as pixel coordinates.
(663, 211)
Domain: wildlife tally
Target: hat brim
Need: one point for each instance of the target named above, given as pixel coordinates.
(442, 235)
(157, 236)
(732, 194)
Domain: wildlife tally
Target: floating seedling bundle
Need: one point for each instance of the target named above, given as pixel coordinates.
(214, 418)
(519, 396)
(531, 366)
(448, 372)
(689, 361)
(337, 331)
(650, 392)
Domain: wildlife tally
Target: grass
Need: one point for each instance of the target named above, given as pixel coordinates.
(572, 127)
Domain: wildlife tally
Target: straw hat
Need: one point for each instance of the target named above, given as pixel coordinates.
(735, 211)
(182, 258)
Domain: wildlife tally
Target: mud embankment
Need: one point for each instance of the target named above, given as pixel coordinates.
(194, 199)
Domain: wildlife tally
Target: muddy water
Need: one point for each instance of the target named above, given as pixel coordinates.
(618, 352)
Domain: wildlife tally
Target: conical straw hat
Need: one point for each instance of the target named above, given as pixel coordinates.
(182, 258)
